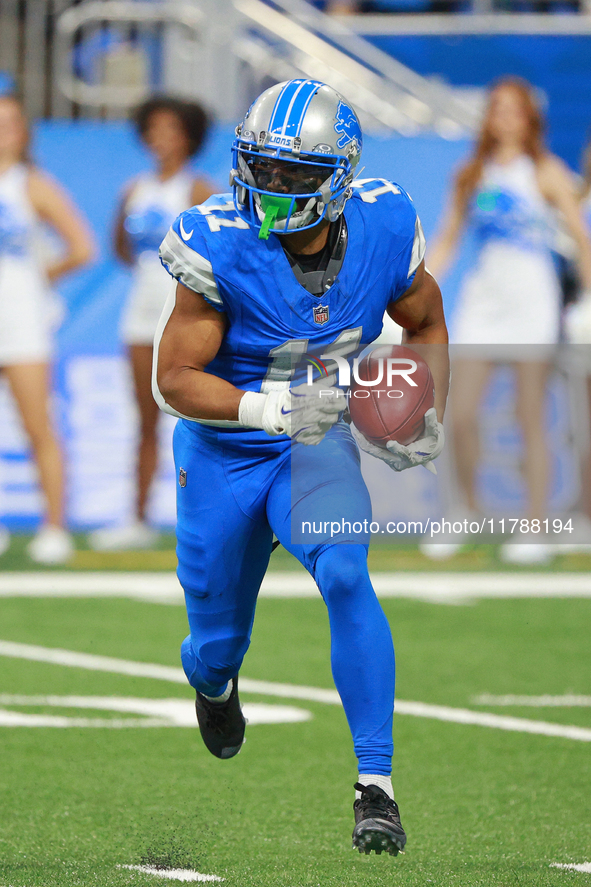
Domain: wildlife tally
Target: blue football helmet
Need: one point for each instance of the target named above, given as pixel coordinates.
(294, 157)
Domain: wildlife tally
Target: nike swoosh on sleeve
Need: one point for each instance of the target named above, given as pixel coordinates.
(185, 234)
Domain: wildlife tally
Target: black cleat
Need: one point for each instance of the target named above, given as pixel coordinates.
(377, 822)
(222, 724)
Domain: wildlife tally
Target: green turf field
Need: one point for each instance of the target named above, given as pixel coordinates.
(481, 806)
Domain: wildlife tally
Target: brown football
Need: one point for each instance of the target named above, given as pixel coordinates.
(393, 406)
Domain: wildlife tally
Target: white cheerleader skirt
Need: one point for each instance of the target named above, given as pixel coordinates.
(148, 294)
(511, 298)
(29, 313)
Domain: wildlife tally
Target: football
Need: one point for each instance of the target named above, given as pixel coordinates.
(390, 394)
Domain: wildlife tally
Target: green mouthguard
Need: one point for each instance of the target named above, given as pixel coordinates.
(274, 208)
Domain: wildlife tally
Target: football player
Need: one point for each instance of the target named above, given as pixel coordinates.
(299, 259)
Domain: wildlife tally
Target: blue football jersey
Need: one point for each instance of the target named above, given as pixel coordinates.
(272, 319)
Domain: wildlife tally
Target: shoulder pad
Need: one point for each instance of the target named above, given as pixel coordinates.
(394, 210)
(388, 200)
(219, 212)
(185, 256)
(370, 189)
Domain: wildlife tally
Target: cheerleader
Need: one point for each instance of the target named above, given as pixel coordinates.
(28, 200)
(507, 194)
(173, 130)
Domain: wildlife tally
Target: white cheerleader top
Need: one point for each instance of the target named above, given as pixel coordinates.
(152, 207)
(507, 207)
(18, 220)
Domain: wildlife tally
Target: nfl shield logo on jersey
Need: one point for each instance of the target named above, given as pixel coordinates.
(321, 314)
(182, 478)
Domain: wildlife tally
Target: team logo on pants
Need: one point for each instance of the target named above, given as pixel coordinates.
(321, 314)
(182, 477)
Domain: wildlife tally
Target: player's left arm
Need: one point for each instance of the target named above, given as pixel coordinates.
(419, 311)
(54, 206)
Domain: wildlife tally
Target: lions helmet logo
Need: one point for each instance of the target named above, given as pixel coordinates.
(347, 124)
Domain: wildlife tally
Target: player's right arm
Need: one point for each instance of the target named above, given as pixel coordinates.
(190, 341)
(189, 336)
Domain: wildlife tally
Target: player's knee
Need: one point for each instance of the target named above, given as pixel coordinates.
(221, 659)
(212, 664)
(341, 573)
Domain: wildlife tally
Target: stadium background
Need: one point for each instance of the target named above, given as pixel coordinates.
(93, 387)
(93, 398)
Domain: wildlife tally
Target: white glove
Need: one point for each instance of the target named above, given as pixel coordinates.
(419, 452)
(304, 413)
(577, 320)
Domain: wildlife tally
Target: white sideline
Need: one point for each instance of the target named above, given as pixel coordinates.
(291, 691)
(171, 874)
(164, 588)
(569, 700)
(573, 866)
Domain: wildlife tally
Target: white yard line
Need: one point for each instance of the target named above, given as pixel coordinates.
(568, 700)
(20, 719)
(575, 867)
(291, 691)
(156, 712)
(169, 673)
(164, 588)
(172, 874)
(92, 663)
(152, 587)
(499, 722)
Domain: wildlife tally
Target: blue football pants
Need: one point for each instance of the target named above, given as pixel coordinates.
(240, 488)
